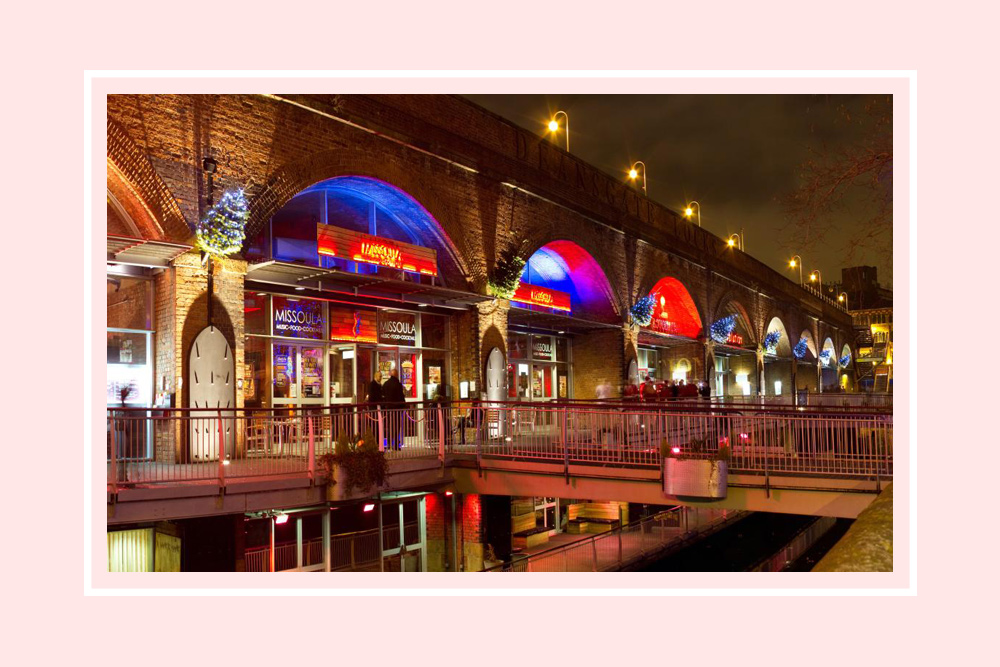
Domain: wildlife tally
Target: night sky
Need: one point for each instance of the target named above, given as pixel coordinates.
(735, 154)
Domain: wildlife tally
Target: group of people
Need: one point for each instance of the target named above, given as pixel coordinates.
(389, 396)
(650, 390)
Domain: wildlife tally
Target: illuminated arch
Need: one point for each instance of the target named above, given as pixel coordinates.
(784, 345)
(810, 344)
(343, 201)
(830, 353)
(564, 266)
(846, 352)
(674, 311)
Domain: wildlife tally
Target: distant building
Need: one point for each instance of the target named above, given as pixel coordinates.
(870, 306)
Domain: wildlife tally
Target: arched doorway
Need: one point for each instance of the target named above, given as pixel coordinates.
(777, 379)
(563, 314)
(669, 350)
(348, 280)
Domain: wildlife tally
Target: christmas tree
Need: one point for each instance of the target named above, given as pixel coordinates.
(220, 232)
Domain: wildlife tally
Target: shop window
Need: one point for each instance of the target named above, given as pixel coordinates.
(435, 377)
(562, 349)
(434, 331)
(293, 228)
(342, 372)
(518, 344)
(541, 348)
(129, 368)
(256, 313)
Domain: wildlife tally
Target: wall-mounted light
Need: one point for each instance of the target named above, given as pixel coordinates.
(368, 507)
(281, 518)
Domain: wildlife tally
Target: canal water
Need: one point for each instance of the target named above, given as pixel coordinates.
(740, 546)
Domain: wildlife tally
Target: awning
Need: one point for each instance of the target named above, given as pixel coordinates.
(554, 322)
(141, 252)
(656, 339)
(335, 281)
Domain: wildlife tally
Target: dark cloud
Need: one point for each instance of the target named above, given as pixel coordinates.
(736, 154)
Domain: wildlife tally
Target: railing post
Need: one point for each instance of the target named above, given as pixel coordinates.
(593, 550)
(222, 453)
(620, 529)
(114, 457)
(312, 451)
(440, 416)
(565, 442)
(381, 431)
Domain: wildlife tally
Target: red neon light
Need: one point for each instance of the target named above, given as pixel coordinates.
(541, 296)
(347, 244)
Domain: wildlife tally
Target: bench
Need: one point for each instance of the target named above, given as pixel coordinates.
(594, 517)
(530, 538)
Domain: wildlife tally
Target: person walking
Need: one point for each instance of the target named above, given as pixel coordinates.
(394, 399)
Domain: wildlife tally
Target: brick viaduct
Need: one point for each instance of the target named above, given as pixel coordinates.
(488, 183)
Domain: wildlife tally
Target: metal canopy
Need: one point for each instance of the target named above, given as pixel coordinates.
(359, 284)
(554, 322)
(141, 252)
(647, 337)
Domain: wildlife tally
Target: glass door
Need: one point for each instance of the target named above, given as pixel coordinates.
(299, 373)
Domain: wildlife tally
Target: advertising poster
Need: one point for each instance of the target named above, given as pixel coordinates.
(562, 386)
(406, 376)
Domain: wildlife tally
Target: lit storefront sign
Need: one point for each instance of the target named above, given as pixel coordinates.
(354, 325)
(359, 247)
(397, 328)
(734, 339)
(541, 296)
(298, 318)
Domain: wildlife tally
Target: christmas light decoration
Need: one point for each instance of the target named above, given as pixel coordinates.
(771, 341)
(800, 348)
(721, 329)
(220, 233)
(642, 310)
(845, 361)
(506, 276)
(824, 357)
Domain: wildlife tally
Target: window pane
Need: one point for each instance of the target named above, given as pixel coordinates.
(293, 228)
(435, 375)
(562, 349)
(518, 344)
(256, 313)
(284, 372)
(312, 372)
(255, 373)
(433, 329)
(342, 372)
(541, 348)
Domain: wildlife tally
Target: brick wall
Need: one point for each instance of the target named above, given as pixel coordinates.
(598, 356)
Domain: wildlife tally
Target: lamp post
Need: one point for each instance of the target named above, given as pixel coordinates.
(816, 275)
(633, 173)
(554, 125)
(689, 211)
(842, 297)
(796, 261)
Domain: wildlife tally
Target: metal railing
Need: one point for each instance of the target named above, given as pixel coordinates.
(356, 551)
(615, 549)
(213, 447)
(789, 441)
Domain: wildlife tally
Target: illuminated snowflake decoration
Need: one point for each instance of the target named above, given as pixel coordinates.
(824, 357)
(642, 311)
(800, 348)
(771, 341)
(221, 232)
(845, 361)
(721, 329)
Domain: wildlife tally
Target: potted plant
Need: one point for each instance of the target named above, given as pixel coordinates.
(356, 464)
(692, 471)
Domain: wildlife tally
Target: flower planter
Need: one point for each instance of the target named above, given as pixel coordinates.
(694, 478)
(336, 487)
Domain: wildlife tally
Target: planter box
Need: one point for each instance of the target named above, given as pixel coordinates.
(694, 478)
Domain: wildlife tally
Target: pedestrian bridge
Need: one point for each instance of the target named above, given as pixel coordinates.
(827, 460)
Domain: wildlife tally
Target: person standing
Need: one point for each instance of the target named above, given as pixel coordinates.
(374, 401)
(395, 400)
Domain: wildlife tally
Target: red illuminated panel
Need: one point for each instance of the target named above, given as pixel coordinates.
(674, 311)
(352, 324)
(357, 247)
(734, 339)
(541, 296)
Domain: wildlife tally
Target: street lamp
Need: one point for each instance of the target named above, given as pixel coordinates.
(633, 173)
(554, 125)
(689, 211)
(816, 275)
(796, 261)
(843, 299)
(734, 241)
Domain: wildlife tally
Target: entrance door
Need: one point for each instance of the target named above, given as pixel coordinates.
(299, 373)
(495, 376)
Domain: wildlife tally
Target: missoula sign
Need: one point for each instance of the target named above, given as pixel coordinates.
(359, 247)
(397, 328)
(541, 296)
(298, 318)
